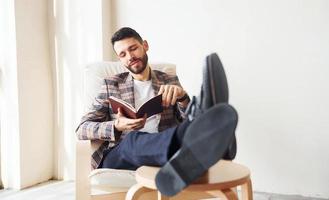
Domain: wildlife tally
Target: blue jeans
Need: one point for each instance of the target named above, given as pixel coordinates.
(141, 148)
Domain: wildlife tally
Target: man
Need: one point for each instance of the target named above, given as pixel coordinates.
(193, 145)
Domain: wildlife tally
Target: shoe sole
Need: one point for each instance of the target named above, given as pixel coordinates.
(202, 147)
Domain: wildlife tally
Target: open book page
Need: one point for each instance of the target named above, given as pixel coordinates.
(121, 103)
(151, 107)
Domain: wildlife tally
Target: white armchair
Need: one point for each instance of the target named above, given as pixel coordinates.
(102, 183)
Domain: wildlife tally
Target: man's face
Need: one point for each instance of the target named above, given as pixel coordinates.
(132, 54)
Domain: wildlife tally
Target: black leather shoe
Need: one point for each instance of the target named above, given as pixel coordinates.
(214, 89)
(193, 109)
(204, 143)
(214, 84)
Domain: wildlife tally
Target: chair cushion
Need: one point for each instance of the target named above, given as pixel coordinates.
(113, 177)
(107, 189)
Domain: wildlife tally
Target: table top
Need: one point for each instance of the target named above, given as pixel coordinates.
(224, 174)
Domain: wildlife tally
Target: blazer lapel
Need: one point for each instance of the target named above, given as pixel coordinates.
(127, 90)
(156, 83)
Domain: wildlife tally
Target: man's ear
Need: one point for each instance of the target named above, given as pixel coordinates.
(145, 45)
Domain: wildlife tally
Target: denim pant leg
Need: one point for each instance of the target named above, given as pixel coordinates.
(139, 148)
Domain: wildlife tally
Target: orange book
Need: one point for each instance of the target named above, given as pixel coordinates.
(151, 107)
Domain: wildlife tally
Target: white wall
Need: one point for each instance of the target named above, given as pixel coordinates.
(35, 92)
(44, 49)
(27, 115)
(276, 58)
(10, 163)
(76, 38)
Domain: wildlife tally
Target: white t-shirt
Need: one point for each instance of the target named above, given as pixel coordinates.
(144, 91)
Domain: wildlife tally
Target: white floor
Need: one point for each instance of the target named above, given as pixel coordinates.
(62, 190)
(52, 190)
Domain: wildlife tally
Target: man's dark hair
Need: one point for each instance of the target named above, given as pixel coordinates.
(124, 33)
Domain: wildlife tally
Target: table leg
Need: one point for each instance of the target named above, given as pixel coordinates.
(246, 190)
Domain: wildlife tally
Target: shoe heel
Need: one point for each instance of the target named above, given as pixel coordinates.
(168, 181)
(173, 177)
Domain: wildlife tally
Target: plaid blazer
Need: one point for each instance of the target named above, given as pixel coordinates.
(98, 124)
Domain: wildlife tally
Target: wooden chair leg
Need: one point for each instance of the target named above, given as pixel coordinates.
(136, 191)
(229, 194)
(162, 197)
(246, 190)
(235, 190)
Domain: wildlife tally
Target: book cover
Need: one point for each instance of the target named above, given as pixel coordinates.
(151, 107)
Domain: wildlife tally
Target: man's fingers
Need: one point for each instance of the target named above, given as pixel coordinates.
(120, 112)
(164, 94)
(135, 121)
(161, 89)
(169, 95)
(174, 96)
(124, 123)
(137, 125)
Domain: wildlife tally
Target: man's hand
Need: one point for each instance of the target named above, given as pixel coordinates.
(170, 94)
(123, 123)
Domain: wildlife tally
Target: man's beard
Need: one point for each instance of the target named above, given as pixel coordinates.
(139, 70)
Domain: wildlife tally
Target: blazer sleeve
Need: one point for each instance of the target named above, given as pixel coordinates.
(181, 109)
(98, 124)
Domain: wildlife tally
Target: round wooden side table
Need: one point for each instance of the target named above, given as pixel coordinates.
(221, 180)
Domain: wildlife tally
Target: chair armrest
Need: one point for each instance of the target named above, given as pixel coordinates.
(83, 169)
